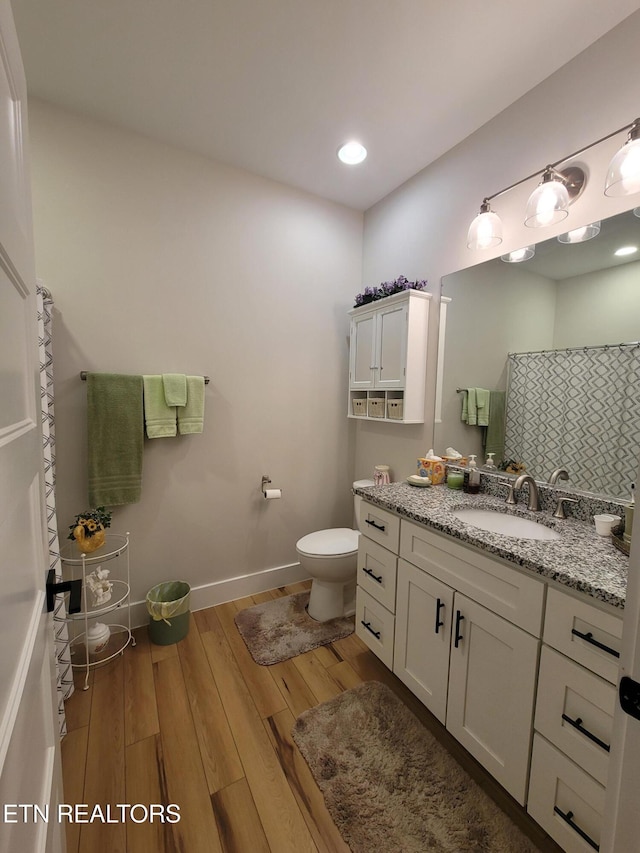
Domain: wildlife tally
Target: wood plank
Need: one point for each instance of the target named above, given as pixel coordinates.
(140, 710)
(105, 778)
(201, 618)
(316, 676)
(264, 691)
(77, 708)
(345, 675)
(281, 819)
(294, 688)
(238, 821)
(218, 751)
(261, 597)
(159, 653)
(298, 586)
(186, 781)
(327, 655)
(146, 784)
(74, 758)
(309, 797)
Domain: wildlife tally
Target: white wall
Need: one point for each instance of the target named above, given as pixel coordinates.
(162, 261)
(420, 229)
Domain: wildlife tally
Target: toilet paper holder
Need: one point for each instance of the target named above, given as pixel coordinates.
(265, 480)
(269, 494)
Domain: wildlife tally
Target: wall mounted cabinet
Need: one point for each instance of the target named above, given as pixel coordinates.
(388, 358)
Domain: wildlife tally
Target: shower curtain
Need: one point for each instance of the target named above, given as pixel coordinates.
(576, 408)
(63, 657)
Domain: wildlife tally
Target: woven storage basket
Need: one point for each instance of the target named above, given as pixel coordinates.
(395, 409)
(359, 406)
(376, 407)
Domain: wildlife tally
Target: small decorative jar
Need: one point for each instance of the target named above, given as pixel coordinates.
(97, 637)
(381, 475)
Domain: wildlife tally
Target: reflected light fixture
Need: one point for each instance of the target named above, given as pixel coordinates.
(548, 204)
(625, 250)
(623, 175)
(486, 229)
(519, 255)
(352, 153)
(580, 235)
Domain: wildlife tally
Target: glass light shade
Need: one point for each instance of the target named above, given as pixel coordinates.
(352, 153)
(623, 175)
(519, 255)
(485, 231)
(580, 235)
(547, 204)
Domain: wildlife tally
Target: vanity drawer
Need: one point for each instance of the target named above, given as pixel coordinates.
(564, 800)
(380, 525)
(375, 626)
(575, 712)
(377, 572)
(503, 590)
(584, 633)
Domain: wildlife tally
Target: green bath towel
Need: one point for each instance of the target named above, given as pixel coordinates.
(115, 430)
(191, 416)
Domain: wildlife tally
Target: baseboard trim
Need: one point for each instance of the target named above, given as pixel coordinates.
(208, 595)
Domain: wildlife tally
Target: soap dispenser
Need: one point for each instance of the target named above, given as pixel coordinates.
(474, 475)
(489, 463)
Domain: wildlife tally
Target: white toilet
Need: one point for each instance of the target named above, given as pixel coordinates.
(330, 558)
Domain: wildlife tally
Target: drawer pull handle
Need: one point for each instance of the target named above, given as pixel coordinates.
(439, 622)
(568, 818)
(373, 524)
(371, 574)
(367, 625)
(459, 637)
(589, 638)
(577, 724)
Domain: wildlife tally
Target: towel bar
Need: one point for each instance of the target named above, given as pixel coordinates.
(83, 376)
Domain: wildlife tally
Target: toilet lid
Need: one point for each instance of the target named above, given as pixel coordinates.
(329, 543)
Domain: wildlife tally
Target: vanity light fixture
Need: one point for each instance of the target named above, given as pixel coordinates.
(548, 204)
(519, 255)
(580, 235)
(352, 153)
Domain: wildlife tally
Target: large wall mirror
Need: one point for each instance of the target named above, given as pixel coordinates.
(575, 303)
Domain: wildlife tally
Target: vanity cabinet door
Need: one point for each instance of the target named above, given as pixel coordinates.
(362, 354)
(424, 608)
(492, 678)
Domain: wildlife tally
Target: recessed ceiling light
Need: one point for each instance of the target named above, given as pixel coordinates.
(352, 153)
(626, 250)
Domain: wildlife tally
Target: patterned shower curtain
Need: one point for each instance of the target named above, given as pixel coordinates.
(63, 658)
(576, 408)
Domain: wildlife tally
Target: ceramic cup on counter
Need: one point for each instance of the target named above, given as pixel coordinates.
(605, 523)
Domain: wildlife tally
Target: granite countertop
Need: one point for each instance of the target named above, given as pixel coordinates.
(581, 559)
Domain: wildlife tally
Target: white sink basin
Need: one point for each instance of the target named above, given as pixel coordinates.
(507, 525)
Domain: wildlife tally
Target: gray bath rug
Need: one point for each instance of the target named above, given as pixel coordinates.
(390, 786)
(281, 629)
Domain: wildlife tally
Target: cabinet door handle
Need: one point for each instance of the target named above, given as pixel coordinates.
(589, 638)
(567, 817)
(371, 575)
(367, 625)
(577, 724)
(373, 524)
(458, 637)
(439, 622)
(74, 588)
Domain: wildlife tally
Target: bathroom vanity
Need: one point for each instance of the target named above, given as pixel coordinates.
(511, 643)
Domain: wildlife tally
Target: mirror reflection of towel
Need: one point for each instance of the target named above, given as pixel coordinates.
(494, 435)
(475, 406)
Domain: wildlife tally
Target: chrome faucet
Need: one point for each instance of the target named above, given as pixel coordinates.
(533, 490)
(558, 474)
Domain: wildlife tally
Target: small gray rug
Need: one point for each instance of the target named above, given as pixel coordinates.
(390, 786)
(281, 629)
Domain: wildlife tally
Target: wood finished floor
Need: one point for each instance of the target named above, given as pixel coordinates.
(201, 725)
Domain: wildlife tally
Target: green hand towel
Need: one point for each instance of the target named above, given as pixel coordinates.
(472, 408)
(482, 404)
(175, 389)
(191, 416)
(115, 432)
(494, 437)
(159, 418)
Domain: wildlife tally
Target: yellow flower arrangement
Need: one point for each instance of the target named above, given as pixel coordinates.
(89, 527)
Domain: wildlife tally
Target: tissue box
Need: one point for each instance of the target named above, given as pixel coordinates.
(432, 469)
(456, 460)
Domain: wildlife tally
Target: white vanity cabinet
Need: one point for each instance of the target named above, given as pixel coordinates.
(473, 668)
(388, 358)
(574, 720)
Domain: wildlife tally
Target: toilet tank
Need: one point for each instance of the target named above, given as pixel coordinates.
(357, 500)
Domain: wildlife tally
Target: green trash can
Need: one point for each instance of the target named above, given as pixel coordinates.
(168, 606)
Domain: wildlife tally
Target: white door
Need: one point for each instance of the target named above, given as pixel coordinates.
(492, 677)
(362, 355)
(29, 749)
(424, 614)
(622, 817)
(392, 346)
